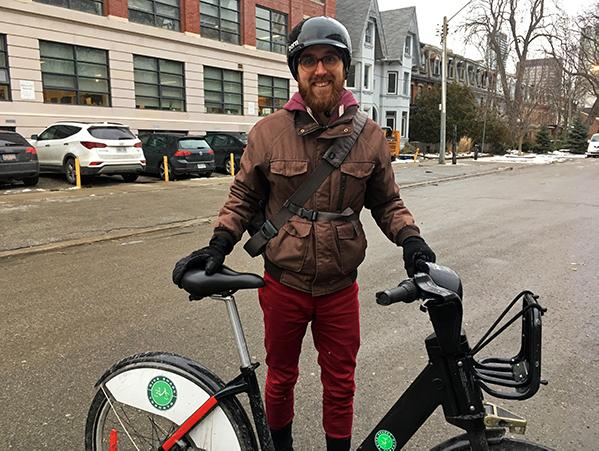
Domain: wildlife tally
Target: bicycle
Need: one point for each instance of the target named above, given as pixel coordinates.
(163, 401)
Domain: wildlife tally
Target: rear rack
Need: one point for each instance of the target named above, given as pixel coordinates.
(521, 374)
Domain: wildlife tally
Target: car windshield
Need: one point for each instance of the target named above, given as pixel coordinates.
(12, 139)
(193, 143)
(111, 133)
(595, 138)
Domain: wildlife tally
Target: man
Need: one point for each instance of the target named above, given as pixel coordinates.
(311, 263)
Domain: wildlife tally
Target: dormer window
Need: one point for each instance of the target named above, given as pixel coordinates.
(369, 36)
(408, 46)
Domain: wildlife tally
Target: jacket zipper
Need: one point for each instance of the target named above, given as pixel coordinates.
(341, 191)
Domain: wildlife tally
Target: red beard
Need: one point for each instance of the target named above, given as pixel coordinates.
(321, 103)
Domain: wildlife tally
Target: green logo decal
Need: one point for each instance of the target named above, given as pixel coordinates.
(385, 441)
(162, 393)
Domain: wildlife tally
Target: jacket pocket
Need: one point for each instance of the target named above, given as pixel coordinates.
(289, 168)
(288, 250)
(354, 175)
(352, 245)
(357, 169)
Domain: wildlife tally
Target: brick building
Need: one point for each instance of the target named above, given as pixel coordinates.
(185, 65)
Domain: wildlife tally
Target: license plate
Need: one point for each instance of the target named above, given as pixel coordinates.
(121, 149)
(9, 157)
(201, 166)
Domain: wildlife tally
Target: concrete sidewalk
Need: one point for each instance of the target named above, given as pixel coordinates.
(42, 221)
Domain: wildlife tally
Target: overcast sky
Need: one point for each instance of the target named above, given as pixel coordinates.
(430, 17)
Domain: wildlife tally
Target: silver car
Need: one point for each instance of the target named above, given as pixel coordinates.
(593, 148)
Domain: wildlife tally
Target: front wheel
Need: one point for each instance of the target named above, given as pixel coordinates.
(70, 172)
(144, 398)
(496, 443)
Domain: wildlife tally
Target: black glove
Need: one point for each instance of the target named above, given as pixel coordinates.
(415, 248)
(211, 258)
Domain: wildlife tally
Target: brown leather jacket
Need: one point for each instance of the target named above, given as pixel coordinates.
(318, 257)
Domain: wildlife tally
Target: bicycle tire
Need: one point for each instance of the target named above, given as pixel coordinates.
(131, 412)
(497, 443)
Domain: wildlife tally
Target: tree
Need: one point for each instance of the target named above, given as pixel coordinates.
(577, 136)
(543, 141)
(510, 28)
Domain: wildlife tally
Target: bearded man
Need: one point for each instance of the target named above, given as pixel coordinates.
(311, 262)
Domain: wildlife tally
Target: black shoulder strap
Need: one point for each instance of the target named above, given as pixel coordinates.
(331, 160)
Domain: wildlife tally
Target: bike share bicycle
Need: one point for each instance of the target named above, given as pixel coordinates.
(162, 401)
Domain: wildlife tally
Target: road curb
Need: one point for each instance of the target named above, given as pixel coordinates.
(124, 233)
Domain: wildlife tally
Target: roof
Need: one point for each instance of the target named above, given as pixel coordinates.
(396, 24)
(354, 14)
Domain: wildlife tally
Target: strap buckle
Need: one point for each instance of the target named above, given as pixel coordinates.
(268, 230)
(306, 213)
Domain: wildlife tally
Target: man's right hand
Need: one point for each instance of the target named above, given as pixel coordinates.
(211, 258)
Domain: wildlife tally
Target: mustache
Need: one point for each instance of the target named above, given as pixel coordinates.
(318, 79)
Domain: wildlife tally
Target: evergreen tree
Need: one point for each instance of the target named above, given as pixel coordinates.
(577, 137)
(543, 140)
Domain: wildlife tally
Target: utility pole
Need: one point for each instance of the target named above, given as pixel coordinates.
(442, 138)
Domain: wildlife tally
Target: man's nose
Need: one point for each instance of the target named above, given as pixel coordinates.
(320, 69)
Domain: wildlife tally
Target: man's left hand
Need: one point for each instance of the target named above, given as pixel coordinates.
(414, 249)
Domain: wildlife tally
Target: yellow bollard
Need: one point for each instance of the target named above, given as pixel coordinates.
(416, 153)
(77, 173)
(165, 164)
(232, 159)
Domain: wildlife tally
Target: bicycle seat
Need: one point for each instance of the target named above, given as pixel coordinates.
(224, 282)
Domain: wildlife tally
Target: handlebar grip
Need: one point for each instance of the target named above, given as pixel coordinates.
(406, 291)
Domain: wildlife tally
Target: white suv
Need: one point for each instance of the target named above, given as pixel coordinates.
(593, 147)
(102, 148)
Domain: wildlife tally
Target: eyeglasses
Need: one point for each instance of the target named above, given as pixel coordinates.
(309, 62)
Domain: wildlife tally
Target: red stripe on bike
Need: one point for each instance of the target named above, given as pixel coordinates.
(194, 419)
(114, 440)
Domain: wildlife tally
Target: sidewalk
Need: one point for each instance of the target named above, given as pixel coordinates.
(35, 222)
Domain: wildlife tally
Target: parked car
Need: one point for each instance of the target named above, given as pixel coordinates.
(593, 148)
(187, 155)
(102, 148)
(224, 144)
(18, 159)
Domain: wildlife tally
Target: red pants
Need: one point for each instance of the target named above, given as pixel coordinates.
(335, 327)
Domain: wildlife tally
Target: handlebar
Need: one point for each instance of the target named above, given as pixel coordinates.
(406, 291)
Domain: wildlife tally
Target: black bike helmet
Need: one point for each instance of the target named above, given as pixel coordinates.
(321, 30)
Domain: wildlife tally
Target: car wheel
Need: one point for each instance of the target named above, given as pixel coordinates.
(228, 166)
(207, 174)
(31, 181)
(129, 178)
(170, 172)
(69, 171)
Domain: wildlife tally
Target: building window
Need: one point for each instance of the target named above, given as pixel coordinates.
(223, 91)
(219, 19)
(4, 78)
(271, 30)
(392, 83)
(88, 6)
(351, 76)
(408, 46)
(406, 83)
(450, 68)
(390, 119)
(74, 75)
(158, 13)
(159, 84)
(404, 123)
(369, 36)
(436, 67)
(367, 69)
(273, 93)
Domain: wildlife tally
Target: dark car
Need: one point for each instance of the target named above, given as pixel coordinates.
(224, 144)
(187, 155)
(18, 159)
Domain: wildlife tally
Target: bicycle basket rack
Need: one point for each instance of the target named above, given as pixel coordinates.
(521, 374)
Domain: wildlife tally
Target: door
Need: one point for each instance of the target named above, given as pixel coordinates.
(43, 144)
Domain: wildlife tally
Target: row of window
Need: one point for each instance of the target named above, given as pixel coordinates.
(219, 19)
(392, 80)
(76, 75)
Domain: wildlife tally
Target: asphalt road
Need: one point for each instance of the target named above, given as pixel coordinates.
(69, 314)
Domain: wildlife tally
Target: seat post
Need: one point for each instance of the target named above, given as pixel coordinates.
(242, 347)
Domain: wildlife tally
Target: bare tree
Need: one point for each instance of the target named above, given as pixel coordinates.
(510, 29)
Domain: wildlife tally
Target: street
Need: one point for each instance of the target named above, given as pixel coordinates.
(70, 313)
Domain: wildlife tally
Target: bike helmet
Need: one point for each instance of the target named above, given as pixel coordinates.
(321, 30)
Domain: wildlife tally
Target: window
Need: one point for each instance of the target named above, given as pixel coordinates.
(450, 68)
(61, 131)
(391, 117)
(351, 76)
(159, 84)
(219, 19)
(273, 93)
(404, 123)
(158, 13)
(4, 79)
(408, 46)
(88, 6)
(74, 75)
(367, 68)
(436, 67)
(271, 30)
(406, 83)
(369, 36)
(223, 91)
(392, 83)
